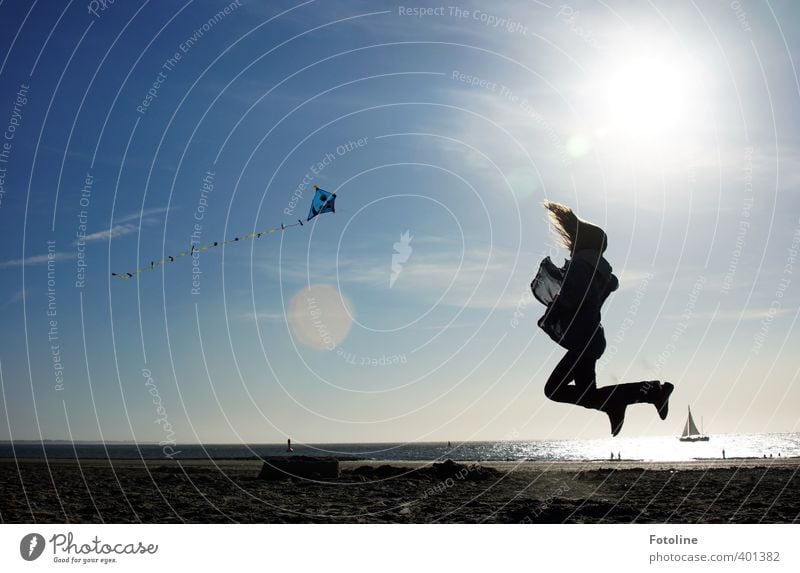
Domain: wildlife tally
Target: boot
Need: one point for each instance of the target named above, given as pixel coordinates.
(661, 401)
(655, 393)
(616, 416)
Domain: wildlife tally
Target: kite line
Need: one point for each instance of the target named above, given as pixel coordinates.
(323, 202)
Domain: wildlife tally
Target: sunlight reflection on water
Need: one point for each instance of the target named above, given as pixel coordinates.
(642, 448)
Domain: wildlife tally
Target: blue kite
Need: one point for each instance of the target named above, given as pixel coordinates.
(322, 203)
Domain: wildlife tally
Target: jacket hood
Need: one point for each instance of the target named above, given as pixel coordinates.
(595, 259)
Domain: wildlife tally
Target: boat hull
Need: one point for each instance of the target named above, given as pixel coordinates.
(694, 439)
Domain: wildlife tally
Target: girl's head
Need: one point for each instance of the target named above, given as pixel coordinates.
(575, 234)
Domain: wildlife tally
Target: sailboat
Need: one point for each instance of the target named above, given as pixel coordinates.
(690, 432)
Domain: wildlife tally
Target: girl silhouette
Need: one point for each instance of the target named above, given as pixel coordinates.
(573, 295)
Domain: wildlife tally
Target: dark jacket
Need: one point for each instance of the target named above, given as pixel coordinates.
(574, 295)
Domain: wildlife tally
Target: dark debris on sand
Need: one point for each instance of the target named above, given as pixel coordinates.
(448, 492)
(438, 471)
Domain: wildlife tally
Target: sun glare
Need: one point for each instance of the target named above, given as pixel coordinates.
(642, 92)
(645, 96)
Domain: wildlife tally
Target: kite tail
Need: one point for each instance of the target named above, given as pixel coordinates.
(172, 258)
(323, 202)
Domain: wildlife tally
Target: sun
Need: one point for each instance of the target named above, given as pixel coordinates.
(644, 89)
(645, 96)
(639, 97)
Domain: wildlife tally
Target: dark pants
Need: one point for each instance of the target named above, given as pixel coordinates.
(578, 366)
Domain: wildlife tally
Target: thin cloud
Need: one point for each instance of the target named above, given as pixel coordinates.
(477, 282)
(630, 279)
(112, 233)
(17, 297)
(123, 226)
(36, 260)
(263, 316)
(145, 214)
(737, 315)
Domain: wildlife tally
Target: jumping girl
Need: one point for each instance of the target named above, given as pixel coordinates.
(573, 295)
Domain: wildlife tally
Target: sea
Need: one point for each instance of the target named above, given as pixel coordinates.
(786, 445)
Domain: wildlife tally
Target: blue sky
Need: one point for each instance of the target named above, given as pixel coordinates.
(673, 127)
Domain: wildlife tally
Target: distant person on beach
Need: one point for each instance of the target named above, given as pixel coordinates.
(619, 456)
(574, 295)
(723, 454)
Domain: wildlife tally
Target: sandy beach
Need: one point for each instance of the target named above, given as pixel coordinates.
(230, 491)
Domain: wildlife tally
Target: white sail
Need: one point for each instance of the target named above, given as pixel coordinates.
(690, 429)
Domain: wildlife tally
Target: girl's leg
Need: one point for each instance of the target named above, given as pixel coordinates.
(578, 367)
(575, 367)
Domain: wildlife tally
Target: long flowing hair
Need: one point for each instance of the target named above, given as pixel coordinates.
(574, 233)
